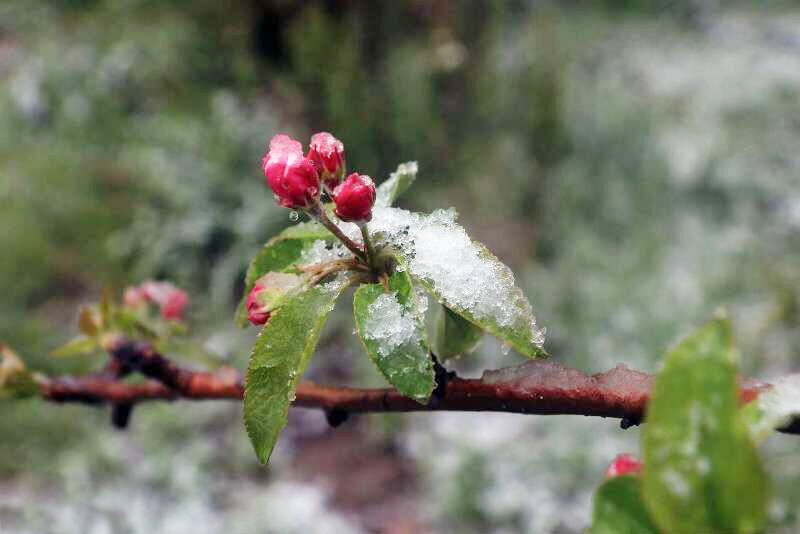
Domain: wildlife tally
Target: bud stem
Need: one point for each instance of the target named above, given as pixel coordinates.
(318, 210)
(368, 244)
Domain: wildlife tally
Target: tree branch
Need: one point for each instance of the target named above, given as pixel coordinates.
(537, 387)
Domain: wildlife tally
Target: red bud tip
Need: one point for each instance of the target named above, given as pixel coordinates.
(255, 312)
(291, 176)
(624, 464)
(327, 153)
(355, 197)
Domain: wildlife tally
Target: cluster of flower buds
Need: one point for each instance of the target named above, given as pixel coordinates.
(268, 294)
(297, 181)
(171, 301)
(624, 464)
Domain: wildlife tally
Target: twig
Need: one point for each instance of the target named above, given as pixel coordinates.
(537, 387)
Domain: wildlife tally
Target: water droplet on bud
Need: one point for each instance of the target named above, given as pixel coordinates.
(294, 216)
(292, 396)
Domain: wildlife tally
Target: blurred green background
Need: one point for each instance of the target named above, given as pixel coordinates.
(636, 164)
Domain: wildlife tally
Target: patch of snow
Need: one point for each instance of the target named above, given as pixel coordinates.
(389, 324)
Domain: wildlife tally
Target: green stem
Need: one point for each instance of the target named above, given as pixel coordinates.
(318, 210)
(368, 244)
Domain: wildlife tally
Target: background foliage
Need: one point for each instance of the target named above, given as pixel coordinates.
(635, 163)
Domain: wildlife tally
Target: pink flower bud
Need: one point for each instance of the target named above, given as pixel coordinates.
(133, 297)
(355, 197)
(171, 300)
(255, 313)
(292, 177)
(624, 464)
(174, 305)
(268, 294)
(327, 153)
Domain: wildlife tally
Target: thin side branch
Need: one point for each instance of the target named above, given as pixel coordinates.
(537, 387)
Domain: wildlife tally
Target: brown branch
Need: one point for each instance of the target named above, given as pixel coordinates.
(537, 387)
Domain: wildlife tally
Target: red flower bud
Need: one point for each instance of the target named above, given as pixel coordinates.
(355, 197)
(255, 313)
(327, 153)
(269, 293)
(171, 300)
(292, 177)
(624, 464)
(174, 304)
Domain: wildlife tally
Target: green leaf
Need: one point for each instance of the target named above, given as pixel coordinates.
(76, 346)
(280, 254)
(774, 407)
(390, 325)
(619, 509)
(306, 230)
(397, 184)
(454, 335)
(702, 473)
(279, 358)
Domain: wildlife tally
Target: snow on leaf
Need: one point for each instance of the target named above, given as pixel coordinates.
(390, 325)
(460, 273)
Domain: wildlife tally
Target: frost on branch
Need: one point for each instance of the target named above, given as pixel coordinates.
(532, 378)
(460, 273)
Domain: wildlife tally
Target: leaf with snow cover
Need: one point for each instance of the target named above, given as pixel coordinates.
(390, 324)
(279, 358)
(460, 273)
(397, 184)
(619, 509)
(774, 407)
(702, 473)
(280, 254)
(454, 335)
